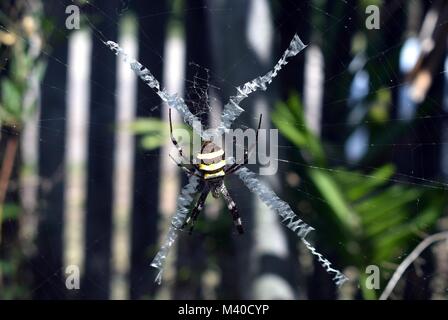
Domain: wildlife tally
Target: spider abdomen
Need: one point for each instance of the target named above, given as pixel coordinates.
(212, 161)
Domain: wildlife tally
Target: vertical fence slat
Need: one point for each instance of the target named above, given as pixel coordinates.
(173, 76)
(151, 37)
(190, 253)
(48, 264)
(29, 176)
(124, 157)
(79, 44)
(95, 282)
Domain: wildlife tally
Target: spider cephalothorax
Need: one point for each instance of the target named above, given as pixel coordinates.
(212, 168)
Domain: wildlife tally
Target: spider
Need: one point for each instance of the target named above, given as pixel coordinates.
(212, 170)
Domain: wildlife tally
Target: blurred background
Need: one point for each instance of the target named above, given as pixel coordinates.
(86, 183)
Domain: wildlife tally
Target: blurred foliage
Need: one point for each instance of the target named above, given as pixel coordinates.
(156, 132)
(20, 41)
(22, 68)
(11, 211)
(371, 215)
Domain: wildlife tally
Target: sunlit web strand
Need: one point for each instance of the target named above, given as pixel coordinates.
(434, 184)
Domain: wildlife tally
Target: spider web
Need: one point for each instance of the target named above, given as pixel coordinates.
(231, 111)
(199, 89)
(197, 95)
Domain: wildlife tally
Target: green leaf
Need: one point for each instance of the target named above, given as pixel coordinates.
(289, 120)
(152, 142)
(331, 192)
(11, 99)
(387, 241)
(282, 118)
(378, 207)
(146, 125)
(11, 211)
(394, 219)
(366, 185)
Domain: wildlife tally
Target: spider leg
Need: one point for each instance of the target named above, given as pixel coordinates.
(233, 210)
(196, 210)
(185, 168)
(234, 167)
(174, 141)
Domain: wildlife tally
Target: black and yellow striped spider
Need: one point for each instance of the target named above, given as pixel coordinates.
(212, 168)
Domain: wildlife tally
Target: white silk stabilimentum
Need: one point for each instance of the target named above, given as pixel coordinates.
(232, 109)
(183, 206)
(173, 100)
(289, 218)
